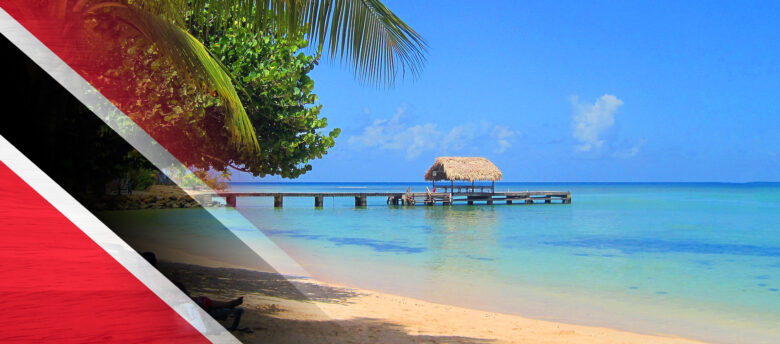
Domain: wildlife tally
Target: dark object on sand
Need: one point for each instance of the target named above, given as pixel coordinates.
(222, 314)
(219, 310)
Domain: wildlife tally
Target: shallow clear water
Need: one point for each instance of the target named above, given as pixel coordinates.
(694, 260)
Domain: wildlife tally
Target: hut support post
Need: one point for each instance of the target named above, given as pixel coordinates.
(278, 201)
(318, 201)
(493, 187)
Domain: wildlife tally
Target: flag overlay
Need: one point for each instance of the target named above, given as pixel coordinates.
(67, 277)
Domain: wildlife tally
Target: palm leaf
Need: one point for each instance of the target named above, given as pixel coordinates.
(190, 54)
(367, 35)
(363, 33)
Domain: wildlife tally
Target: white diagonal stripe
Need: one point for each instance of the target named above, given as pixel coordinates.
(112, 244)
(272, 254)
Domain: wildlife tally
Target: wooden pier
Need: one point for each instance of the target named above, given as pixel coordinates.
(414, 198)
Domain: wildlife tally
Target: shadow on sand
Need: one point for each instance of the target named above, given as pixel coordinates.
(268, 312)
(231, 282)
(357, 330)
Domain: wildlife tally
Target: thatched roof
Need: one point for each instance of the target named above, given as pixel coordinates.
(463, 168)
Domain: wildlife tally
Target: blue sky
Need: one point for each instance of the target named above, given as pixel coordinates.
(570, 92)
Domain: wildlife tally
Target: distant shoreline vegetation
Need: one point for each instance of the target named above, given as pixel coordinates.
(154, 197)
(518, 182)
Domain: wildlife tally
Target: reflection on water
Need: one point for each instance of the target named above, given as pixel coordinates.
(462, 240)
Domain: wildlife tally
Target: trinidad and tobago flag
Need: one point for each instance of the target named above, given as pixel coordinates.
(70, 273)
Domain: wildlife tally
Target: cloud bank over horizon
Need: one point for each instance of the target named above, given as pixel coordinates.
(398, 134)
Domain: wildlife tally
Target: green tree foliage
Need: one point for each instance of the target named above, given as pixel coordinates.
(362, 33)
(168, 105)
(271, 75)
(192, 89)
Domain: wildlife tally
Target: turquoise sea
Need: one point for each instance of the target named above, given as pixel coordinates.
(697, 260)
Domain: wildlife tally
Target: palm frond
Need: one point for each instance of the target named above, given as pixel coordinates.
(368, 35)
(363, 33)
(190, 54)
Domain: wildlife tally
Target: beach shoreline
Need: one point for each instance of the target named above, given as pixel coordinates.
(305, 310)
(464, 257)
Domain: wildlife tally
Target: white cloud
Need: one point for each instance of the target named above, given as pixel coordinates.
(504, 137)
(395, 134)
(590, 121)
(630, 152)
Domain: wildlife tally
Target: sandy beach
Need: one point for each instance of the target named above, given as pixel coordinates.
(307, 311)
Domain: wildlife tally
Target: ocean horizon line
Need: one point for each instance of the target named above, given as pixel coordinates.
(518, 182)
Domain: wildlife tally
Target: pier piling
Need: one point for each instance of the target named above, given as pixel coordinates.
(231, 200)
(361, 200)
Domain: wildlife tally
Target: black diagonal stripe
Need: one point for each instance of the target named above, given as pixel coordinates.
(84, 156)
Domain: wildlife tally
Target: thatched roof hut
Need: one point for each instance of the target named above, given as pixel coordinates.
(463, 168)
